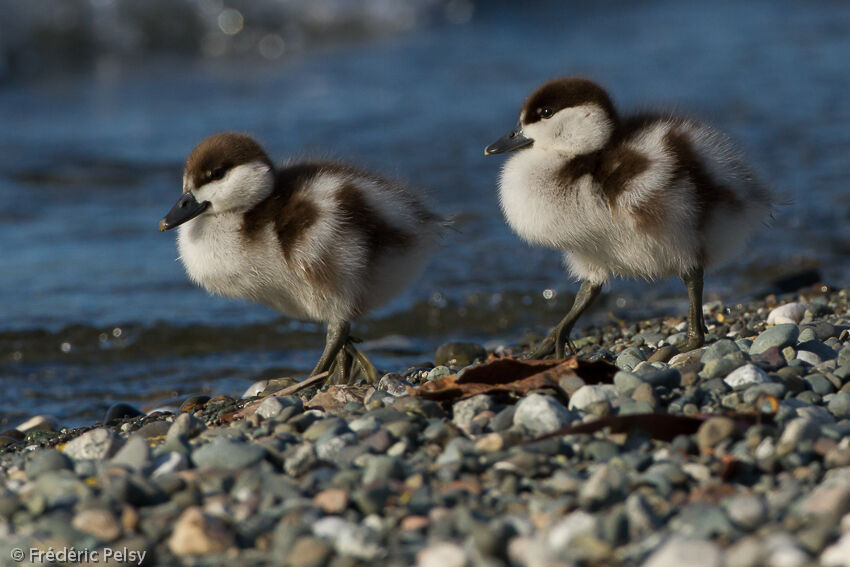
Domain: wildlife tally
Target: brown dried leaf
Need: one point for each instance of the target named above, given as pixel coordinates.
(661, 426)
(512, 375)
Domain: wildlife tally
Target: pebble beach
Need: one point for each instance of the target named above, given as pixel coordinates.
(381, 475)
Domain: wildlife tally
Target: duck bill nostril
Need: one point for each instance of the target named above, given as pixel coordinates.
(512, 141)
(185, 209)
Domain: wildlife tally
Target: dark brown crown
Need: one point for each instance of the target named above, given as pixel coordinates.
(565, 93)
(213, 157)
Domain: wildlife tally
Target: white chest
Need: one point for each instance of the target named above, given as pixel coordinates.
(212, 253)
(543, 211)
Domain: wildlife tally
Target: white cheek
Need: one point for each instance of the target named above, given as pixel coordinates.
(242, 188)
(573, 131)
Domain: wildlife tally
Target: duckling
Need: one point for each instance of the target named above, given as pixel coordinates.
(320, 241)
(644, 196)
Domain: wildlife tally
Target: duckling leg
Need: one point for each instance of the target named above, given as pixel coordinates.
(696, 323)
(366, 367)
(336, 337)
(560, 335)
(340, 370)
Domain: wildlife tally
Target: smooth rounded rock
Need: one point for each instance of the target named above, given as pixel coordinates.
(630, 358)
(464, 410)
(626, 382)
(227, 455)
(713, 431)
(255, 389)
(746, 376)
(45, 461)
(459, 354)
(839, 405)
(39, 423)
(121, 410)
(779, 336)
(273, 406)
(788, 313)
(442, 554)
(718, 350)
(541, 414)
(586, 396)
(95, 444)
(679, 551)
(99, 523)
(196, 533)
(185, 425)
(135, 453)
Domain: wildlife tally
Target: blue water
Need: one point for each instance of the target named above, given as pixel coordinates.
(91, 159)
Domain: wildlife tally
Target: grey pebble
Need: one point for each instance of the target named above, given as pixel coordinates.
(779, 336)
(747, 511)
(226, 454)
(330, 425)
(839, 405)
(465, 410)
(718, 350)
(625, 382)
(95, 444)
(273, 406)
(394, 384)
(381, 467)
(819, 384)
(135, 453)
(630, 358)
(438, 372)
(185, 425)
(45, 461)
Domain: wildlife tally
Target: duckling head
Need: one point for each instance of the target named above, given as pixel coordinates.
(225, 173)
(570, 116)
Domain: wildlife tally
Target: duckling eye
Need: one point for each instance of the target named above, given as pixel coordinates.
(216, 174)
(546, 112)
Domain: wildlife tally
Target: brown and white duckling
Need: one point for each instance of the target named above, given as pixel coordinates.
(315, 241)
(640, 196)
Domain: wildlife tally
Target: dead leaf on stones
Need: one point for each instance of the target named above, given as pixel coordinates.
(512, 375)
(661, 426)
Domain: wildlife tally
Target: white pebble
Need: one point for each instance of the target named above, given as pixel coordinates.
(788, 313)
(577, 524)
(586, 396)
(678, 551)
(747, 375)
(255, 389)
(442, 554)
(837, 554)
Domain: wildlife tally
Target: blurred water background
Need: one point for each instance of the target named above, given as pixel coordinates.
(101, 101)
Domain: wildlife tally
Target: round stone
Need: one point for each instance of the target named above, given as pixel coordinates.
(779, 336)
(541, 414)
(746, 376)
(227, 455)
(788, 313)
